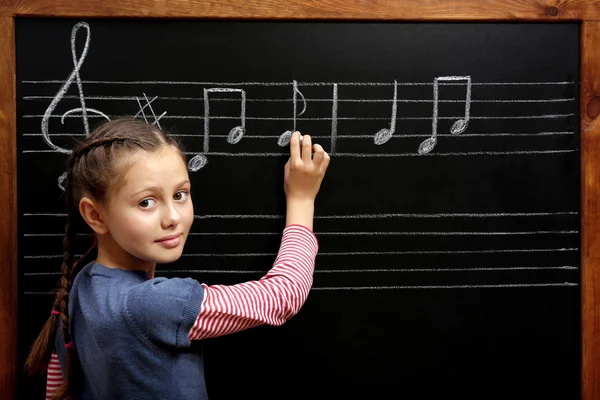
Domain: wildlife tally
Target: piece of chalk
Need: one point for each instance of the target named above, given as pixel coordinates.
(301, 137)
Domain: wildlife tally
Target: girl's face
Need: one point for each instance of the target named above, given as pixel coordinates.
(149, 216)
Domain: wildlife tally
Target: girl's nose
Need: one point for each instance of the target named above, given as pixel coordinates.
(171, 216)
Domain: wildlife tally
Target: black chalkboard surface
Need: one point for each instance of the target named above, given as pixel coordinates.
(448, 222)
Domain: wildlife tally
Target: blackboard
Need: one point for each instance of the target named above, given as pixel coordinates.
(453, 272)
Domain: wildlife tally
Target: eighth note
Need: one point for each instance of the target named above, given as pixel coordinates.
(284, 138)
(235, 134)
(459, 126)
(385, 134)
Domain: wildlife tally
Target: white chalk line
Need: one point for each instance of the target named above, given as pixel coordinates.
(381, 155)
(354, 253)
(397, 135)
(386, 253)
(334, 119)
(290, 83)
(463, 233)
(503, 286)
(74, 75)
(51, 234)
(343, 271)
(359, 216)
(348, 288)
(310, 100)
(366, 155)
(376, 270)
(198, 117)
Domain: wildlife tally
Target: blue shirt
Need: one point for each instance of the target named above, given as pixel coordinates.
(131, 335)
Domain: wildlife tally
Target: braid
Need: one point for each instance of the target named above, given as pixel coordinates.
(69, 267)
(92, 144)
(61, 303)
(68, 259)
(41, 350)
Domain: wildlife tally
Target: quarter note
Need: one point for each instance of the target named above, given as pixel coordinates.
(235, 134)
(284, 138)
(77, 63)
(385, 134)
(459, 126)
(334, 113)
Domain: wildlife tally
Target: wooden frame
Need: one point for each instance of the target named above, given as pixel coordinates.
(587, 12)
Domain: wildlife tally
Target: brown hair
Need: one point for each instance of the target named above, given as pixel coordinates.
(94, 166)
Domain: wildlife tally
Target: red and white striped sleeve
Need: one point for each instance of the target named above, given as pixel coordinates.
(272, 300)
(55, 378)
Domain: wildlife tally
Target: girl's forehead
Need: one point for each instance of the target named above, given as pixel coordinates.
(165, 166)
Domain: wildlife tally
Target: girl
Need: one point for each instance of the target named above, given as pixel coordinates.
(116, 331)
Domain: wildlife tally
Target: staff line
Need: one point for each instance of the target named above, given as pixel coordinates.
(364, 233)
(365, 155)
(199, 117)
(359, 216)
(286, 100)
(344, 271)
(459, 233)
(290, 83)
(514, 285)
(348, 288)
(384, 253)
(397, 135)
(352, 253)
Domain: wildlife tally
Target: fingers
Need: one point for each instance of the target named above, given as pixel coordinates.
(302, 151)
(306, 149)
(295, 147)
(321, 158)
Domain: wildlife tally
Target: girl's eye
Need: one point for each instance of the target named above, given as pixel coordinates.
(147, 203)
(181, 196)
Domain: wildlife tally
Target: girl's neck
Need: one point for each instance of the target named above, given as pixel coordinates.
(111, 255)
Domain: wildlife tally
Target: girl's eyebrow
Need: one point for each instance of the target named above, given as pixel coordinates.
(154, 187)
(148, 188)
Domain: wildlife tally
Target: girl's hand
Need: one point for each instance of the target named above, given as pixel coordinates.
(303, 172)
(302, 179)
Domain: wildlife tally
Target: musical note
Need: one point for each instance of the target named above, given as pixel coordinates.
(77, 63)
(149, 105)
(459, 126)
(235, 134)
(385, 134)
(284, 138)
(334, 119)
(61, 181)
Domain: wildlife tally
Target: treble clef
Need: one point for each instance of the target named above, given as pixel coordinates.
(77, 63)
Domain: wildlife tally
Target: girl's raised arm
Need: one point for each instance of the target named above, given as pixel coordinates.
(272, 300)
(280, 294)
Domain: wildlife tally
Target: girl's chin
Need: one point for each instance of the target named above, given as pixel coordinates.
(167, 259)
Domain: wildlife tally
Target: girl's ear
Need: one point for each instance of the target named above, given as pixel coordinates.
(91, 212)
